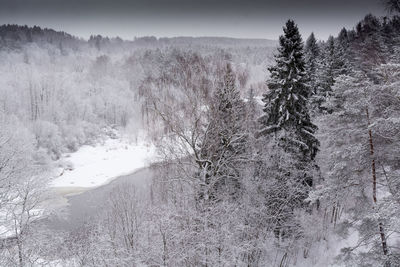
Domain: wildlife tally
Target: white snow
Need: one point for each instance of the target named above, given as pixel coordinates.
(96, 165)
(6, 229)
(7, 224)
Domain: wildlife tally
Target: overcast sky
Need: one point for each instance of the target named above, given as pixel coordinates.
(165, 18)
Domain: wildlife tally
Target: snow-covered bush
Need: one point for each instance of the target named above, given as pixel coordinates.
(48, 136)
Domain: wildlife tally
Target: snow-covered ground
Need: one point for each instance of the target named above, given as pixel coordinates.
(92, 166)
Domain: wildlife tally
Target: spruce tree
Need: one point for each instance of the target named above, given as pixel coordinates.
(224, 144)
(342, 53)
(287, 143)
(328, 73)
(312, 53)
(393, 6)
(286, 110)
(334, 63)
(343, 38)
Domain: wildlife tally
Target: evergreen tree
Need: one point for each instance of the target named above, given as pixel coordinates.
(288, 145)
(334, 63)
(369, 47)
(224, 145)
(343, 38)
(342, 53)
(312, 53)
(314, 64)
(285, 107)
(361, 141)
(392, 6)
(387, 33)
(328, 75)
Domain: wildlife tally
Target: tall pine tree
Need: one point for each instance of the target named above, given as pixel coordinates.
(334, 63)
(224, 145)
(287, 142)
(393, 6)
(285, 107)
(312, 53)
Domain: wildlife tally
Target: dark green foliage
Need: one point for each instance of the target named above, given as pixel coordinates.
(286, 101)
(312, 53)
(14, 36)
(392, 6)
(288, 145)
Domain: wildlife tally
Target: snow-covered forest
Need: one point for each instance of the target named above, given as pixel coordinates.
(201, 151)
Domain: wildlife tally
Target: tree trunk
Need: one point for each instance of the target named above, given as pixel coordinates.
(20, 257)
(373, 166)
(371, 146)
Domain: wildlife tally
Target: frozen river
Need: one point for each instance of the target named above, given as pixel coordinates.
(82, 206)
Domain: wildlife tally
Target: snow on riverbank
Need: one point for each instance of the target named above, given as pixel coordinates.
(92, 166)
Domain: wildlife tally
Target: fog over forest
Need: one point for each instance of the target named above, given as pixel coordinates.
(195, 150)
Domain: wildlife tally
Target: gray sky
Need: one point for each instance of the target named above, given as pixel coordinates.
(165, 18)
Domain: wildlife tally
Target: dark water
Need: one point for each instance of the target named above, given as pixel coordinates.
(85, 206)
